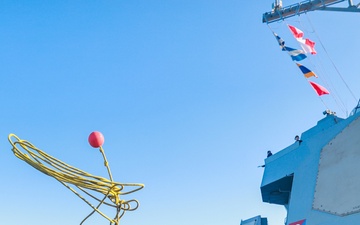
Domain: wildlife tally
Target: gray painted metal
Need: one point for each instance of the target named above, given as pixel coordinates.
(278, 192)
(281, 13)
(338, 179)
(303, 161)
(257, 220)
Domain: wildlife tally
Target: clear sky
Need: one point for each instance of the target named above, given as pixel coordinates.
(188, 94)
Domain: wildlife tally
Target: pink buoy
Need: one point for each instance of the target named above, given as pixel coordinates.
(96, 139)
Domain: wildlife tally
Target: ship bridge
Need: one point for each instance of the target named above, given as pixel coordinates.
(280, 168)
(316, 178)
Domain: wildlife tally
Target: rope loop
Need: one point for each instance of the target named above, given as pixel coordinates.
(72, 177)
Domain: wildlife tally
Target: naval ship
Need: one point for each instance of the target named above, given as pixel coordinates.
(316, 178)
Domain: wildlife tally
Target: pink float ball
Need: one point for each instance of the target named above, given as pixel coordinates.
(96, 139)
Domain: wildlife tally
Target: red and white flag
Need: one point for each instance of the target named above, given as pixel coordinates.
(307, 45)
(296, 32)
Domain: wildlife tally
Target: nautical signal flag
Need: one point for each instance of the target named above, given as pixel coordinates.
(307, 45)
(280, 41)
(296, 32)
(320, 90)
(300, 222)
(296, 55)
(307, 73)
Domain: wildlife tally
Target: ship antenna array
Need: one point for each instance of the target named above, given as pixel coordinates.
(279, 12)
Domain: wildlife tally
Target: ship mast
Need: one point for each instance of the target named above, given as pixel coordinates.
(280, 13)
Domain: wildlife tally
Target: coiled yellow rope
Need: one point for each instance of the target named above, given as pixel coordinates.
(68, 175)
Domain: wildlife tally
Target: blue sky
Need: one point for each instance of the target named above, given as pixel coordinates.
(188, 94)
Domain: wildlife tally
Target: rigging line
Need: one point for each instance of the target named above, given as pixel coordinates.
(336, 97)
(279, 23)
(321, 71)
(306, 27)
(342, 108)
(323, 103)
(333, 91)
(327, 80)
(331, 60)
(271, 29)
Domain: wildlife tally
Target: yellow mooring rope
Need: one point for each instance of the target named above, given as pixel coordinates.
(68, 175)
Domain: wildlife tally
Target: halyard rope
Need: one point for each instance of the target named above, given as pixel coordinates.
(69, 175)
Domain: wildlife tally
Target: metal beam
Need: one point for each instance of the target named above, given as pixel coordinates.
(281, 13)
(337, 9)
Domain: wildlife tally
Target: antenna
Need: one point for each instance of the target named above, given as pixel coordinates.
(277, 5)
(280, 13)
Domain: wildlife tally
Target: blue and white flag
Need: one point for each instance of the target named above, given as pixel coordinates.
(280, 41)
(295, 54)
